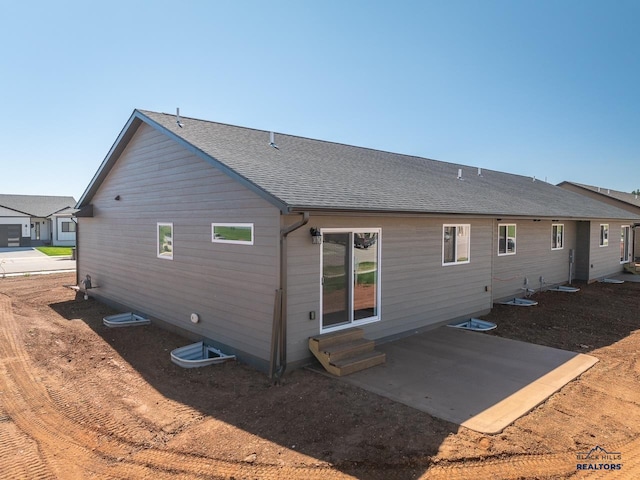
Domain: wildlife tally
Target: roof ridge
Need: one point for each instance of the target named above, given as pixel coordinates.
(599, 189)
(332, 142)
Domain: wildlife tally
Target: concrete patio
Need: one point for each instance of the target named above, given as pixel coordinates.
(475, 380)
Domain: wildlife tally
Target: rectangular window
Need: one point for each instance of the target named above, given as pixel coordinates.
(455, 244)
(625, 244)
(507, 239)
(68, 226)
(604, 234)
(165, 240)
(238, 233)
(557, 236)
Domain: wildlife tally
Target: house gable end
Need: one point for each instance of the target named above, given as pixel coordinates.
(127, 134)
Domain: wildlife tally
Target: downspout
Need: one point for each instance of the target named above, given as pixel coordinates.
(77, 252)
(278, 363)
(493, 256)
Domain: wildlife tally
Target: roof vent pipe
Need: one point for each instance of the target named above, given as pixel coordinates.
(598, 189)
(479, 172)
(178, 117)
(272, 140)
(459, 174)
(608, 191)
(534, 178)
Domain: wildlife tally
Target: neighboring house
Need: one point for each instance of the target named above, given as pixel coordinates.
(624, 200)
(36, 220)
(271, 239)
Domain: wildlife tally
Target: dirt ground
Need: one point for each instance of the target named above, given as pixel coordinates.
(79, 400)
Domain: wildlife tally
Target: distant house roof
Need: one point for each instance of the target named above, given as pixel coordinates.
(38, 205)
(630, 198)
(299, 173)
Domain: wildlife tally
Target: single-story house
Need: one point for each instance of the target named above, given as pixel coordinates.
(624, 200)
(36, 220)
(270, 239)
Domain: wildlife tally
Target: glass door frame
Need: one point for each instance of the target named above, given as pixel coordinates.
(626, 238)
(352, 323)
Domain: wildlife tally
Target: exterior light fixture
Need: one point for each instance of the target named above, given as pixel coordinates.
(316, 236)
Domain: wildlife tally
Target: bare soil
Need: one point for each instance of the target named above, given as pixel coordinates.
(79, 400)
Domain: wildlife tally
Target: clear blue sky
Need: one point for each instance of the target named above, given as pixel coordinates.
(545, 88)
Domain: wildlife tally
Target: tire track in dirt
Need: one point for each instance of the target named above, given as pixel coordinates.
(514, 467)
(19, 455)
(27, 404)
(630, 462)
(69, 449)
(57, 437)
(556, 465)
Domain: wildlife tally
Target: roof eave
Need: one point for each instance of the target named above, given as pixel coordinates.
(19, 211)
(424, 213)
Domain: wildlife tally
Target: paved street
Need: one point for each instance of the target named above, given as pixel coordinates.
(29, 260)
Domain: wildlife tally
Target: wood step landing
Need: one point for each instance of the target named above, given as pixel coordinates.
(345, 352)
(632, 267)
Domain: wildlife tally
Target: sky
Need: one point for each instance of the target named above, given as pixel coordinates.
(544, 88)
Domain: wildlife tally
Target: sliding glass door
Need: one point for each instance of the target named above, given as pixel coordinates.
(350, 277)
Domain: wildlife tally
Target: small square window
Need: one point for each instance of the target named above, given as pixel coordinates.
(68, 226)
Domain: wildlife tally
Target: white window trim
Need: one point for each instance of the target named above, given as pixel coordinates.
(235, 242)
(164, 256)
(627, 252)
(557, 225)
(67, 222)
(466, 225)
(363, 321)
(507, 252)
(603, 242)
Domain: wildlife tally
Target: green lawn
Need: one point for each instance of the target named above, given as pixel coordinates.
(55, 251)
(242, 234)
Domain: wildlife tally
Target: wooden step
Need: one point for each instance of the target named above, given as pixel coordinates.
(345, 351)
(334, 338)
(350, 349)
(632, 268)
(359, 362)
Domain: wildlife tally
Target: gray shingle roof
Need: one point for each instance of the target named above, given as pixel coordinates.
(625, 197)
(311, 174)
(37, 205)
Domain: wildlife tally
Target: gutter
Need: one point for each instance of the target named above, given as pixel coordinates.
(278, 363)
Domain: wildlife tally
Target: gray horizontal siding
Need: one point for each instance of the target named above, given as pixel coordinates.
(230, 286)
(534, 257)
(417, 290)
(604, 261)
